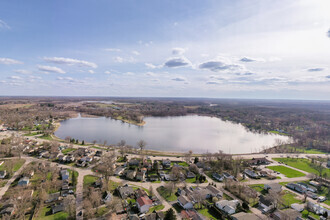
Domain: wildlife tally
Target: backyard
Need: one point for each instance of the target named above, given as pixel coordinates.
(288, 172)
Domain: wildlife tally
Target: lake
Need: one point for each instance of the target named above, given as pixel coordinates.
(180, 134)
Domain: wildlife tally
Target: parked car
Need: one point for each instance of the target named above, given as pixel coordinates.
(322, 198)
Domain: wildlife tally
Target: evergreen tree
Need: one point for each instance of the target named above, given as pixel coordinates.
(170, 215)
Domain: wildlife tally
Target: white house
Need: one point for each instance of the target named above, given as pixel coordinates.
(185, 202)
(226, 206)
(3, 174)
(143, 203)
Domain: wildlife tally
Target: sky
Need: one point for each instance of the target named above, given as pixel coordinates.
(261, 49)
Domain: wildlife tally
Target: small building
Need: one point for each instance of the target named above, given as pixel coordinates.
(185, 202)
(275, 187)
(259, 161)
(288, 214)
(228, 207)
(191, 214)
(251, 174)
(217, 177)
(265, 204)
(153, 177)
(140, 193)
(57, 208)
(119, 171)
(143, 203)
(166, 163)
(134, 162)
(125, 191)
(3, 174)
(64, 174)
(295, 187)
(106, 197)
(140, 176)
(190, 175)
(24, 181)
(263, 173)
(130, 174)
(244, 216)
(53, 197)
(214, 192)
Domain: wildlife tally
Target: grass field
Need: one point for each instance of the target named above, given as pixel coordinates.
(67, 150)
(45, 214)
(290, 198)
(166, 194)
(290, 173)
(259, 188)
(16, 164)
(302, 164)
(156, 208)
(89, 180)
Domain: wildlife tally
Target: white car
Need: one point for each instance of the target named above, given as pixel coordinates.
(322, 198)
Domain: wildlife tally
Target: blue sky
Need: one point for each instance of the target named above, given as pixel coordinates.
(226, 49)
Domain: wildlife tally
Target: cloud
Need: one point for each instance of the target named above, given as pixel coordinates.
(221, 65)
(9, 61)
(135, 52)
(65, 78)
(129, 74)
(213, 83)
(118, 59)
(179, 79)
(177, 62)
(249, 59)
(15, 77)
(21, 71)
(178, 51)
(112, 49)
(91, 71)
(328, 33)
(150, 74)
(70, 61)
(51, 69)
(4, 25)
(150, 66)
(315, 69)
(107, 72)
(328, 77)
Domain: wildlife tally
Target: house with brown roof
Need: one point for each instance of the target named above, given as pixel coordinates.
(143, 203)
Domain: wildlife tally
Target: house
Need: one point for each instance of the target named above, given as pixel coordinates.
(89, 159)
(151, 216)
(24, 181)
(328, 163)
(314, 183)
(3, 174)
(191, 214)
(307, 187)
(140, 176)
(263, 173)
(106, 197)
(130, 174)
(295, 187)
(185, 202)
(98, 153)
(259, 161)
(217, 177)
(298, 207)
(214, 192)
(228, 207)
(134, 162)
(160, 215)
(265, 204)
(153, 177)
(244, 216)
(125, 191)
(143, 203)
(64, 174)
(1, 162)
(140, 193)
(251, 174)
(227, 176)
(166, 163)
(53, 197)
(317, 209)
(57, 208)
(119, 171)
(288, 214)
(190, 175)
(275, 187)
(81, 163)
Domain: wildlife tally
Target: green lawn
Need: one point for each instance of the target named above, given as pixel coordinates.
(305, 214)
(184, 164)
(31, 134)
(45, 214)
(156, 208)
(290, 198)
(89, 180)
(166, 195)
(67, 150)
(17, 164)
(46, 137)
(113, 185)
(208, 213)
(290, 173)
(101, 211)
(259, 188)
(302, 164)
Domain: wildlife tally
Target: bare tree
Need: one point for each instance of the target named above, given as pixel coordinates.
(141, 144)
(107, 165)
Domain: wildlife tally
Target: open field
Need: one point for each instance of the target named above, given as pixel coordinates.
(302, 164)
(45, 214)
(290, 173)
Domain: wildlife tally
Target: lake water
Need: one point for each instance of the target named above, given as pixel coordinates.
(180, 134)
